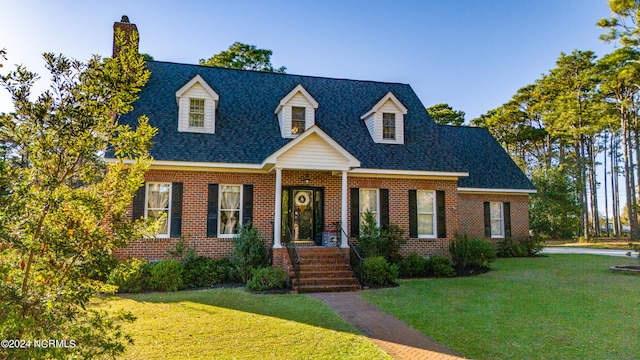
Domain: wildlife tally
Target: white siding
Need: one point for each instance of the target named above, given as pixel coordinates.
(197, 91)
(284, 116)
(313, 153)
(374, 124)
(370, 122)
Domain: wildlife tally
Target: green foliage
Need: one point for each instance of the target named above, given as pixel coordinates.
(60, 211)
(443, 114)
(554, 211)
(441, 266)
(472, 253)
(374, 241)
(376, 270)
(244, 56)
(165, 275)
(531, 246)
(268, 278)
(182, 249)
(249, 252)
(623, 25)
(508, 248)
(129, 276)
(200, 271)
(414, 266)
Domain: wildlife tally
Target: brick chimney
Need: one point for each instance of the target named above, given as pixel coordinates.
(127, 28)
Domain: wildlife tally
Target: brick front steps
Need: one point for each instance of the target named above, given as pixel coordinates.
(323, 269)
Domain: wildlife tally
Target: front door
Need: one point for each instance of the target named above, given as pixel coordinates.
(302, 212)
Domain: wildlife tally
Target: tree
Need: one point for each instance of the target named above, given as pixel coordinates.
(554, 209)
(443, 114)
(623, 25)
(244, 56)
(62, 213)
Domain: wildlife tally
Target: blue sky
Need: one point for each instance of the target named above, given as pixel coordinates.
(472, 54)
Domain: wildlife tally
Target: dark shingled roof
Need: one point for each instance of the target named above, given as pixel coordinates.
(247, 129)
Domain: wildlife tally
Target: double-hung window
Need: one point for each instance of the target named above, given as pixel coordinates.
(388, 126)
(369, 202)
(497, 219)
(196, 113)
(298, 117)
(426, 212)
(158, 205)
(229, 210)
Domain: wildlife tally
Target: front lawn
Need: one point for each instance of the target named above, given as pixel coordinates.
(556, 307)
(231, 323)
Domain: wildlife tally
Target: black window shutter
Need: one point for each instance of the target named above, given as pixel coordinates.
(138, 203)
(355, 212)
(212, 211)
(176, 209)
(507, 219)
(247, 204)
(441, 216)
(413, 214)
(487, 219)
(384, 208)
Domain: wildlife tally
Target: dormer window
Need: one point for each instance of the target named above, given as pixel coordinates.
(196, 113)
(298, 119)
(197, 103)
(296, 112)
(388, 126)
(385, 121)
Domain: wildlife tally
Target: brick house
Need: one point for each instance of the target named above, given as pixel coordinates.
(302, 156)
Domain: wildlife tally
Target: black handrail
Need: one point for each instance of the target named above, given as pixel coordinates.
(292, 249)
(353, 250)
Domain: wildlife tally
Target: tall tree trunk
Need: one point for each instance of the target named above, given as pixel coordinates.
(615, 186)
(581, 188)
(629, 178)
(606, 194)
(593, 181)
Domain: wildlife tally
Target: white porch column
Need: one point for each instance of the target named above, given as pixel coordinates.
(277, 225)
(343, 215)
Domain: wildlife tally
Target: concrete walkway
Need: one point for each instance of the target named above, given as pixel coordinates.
(580, 250)
(396, 338)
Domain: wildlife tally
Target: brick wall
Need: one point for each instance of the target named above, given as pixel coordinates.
(472, 213)
(194, 212)
(399, 209)
(464, 212)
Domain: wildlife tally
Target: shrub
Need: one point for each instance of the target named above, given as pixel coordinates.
(441, 266)
(268, 278)
(129, 276)
(374, 241)
(414, 266)
(459, 249)
(532, 245)
(377, 271)
(508, 248)
(481, 253)
(249, 252)
(472, 253)
(165, 275)
(200, 271)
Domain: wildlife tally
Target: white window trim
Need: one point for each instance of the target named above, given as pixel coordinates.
(491, 219)
(395, 127)
(146, 207)
(304, 121)
(229, 236)
(377, 204)
(204, 114)
(434, 215)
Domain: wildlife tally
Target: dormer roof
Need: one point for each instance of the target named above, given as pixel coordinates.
(298, 89)
(197, 80)
(388, 97)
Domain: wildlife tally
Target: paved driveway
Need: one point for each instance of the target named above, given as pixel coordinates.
(579, 250)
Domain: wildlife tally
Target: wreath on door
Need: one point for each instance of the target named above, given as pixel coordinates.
(302, 199)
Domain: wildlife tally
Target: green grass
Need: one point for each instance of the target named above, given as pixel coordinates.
(231, 323)
(556, 307)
